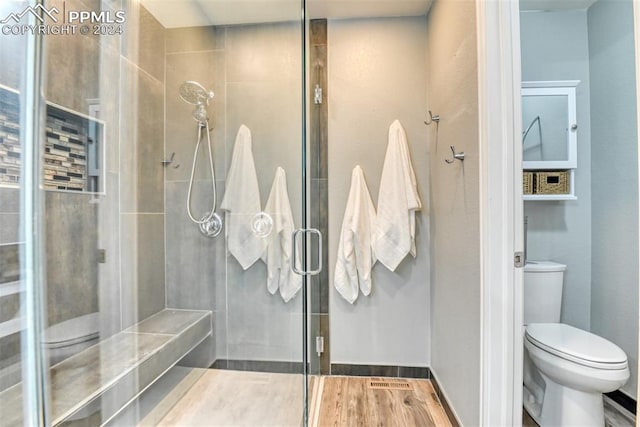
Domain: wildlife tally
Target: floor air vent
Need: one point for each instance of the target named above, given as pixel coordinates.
(390, 385)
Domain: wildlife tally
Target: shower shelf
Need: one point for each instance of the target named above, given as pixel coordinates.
(117, 369)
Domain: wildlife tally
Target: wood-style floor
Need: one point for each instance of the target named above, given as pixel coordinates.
(250, 399)
(352, 402)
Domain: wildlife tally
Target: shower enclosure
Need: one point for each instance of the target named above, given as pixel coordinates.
(122, 276)
(167, 235)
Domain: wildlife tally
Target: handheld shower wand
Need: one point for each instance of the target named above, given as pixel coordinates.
(194, 93)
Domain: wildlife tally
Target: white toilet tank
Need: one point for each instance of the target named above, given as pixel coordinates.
(543, 291)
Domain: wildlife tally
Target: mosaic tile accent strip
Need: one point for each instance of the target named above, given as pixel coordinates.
(9, 137)
(72, 143)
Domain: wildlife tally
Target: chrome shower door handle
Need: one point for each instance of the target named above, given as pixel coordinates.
(294, 251)
(319, 234)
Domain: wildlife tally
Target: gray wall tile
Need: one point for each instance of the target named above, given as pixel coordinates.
(9, 228)
(9, 200)
(144, 43)
(142, 252)
(12, 56)
(195, 263)
(9, 263)
(71, 225)
(72, 62)
(151, 45)
(260, 326)
(150, 264)
(208, 69)
(109, 103)
(194, 39)
(9, 215)
(109, 271)
(141, 141)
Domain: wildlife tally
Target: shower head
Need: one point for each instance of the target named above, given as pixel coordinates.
(194, 93)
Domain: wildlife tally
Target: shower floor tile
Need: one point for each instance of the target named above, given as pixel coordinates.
(240, 399)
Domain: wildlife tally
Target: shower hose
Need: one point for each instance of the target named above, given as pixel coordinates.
(210, 215)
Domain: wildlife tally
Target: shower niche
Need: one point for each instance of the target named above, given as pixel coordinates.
(74, 147)
(549, 139)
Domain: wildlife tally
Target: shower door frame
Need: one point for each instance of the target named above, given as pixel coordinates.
(32, 112)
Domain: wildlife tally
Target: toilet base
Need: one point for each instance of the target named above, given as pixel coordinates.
(531, 405)
(563, 406)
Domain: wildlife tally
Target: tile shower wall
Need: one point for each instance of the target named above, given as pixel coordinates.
(250, 324)
(9, 141)
(68, 137)
(92, 71)
(318, 141)
(195, 265)
(141, 151)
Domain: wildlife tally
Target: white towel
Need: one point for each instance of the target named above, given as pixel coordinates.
(398, 200)
(277, 255)
(355, 255)
(242, 202)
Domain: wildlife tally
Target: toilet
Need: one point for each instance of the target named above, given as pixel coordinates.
(566, 369)
(70, 337)
(67, 338)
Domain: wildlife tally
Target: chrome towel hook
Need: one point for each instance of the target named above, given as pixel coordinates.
(456, 156)
(432, 119)
(167, 162)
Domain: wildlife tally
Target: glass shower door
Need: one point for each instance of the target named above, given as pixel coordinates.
(141, 302)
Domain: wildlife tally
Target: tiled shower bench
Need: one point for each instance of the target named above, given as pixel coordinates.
(108, 375)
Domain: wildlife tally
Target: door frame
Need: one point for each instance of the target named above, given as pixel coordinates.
(501, 207)
(501, 211)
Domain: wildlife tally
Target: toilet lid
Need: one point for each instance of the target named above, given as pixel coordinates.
(72, 331)
(576, 345)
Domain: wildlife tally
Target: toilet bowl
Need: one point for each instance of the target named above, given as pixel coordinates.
(70, 337)
(576, 368)
(67, 338)
(566, 369)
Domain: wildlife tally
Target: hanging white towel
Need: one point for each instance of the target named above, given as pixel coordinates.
(355, 255)
(277, 255)
(398, 200)
(241, 203)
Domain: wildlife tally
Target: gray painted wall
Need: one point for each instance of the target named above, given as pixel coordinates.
(614, 179)
(554, 47)
(455, 220)
(378, 73)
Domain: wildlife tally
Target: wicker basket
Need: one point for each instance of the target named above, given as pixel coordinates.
(552, 182)
(527, 182)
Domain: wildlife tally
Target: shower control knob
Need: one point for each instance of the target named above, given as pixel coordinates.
(262, 224)
(210, 225)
